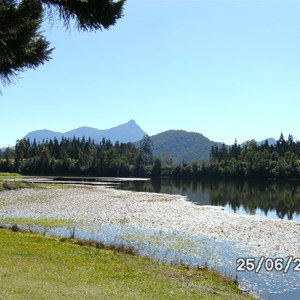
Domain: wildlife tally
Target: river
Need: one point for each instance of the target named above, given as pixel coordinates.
(273, 199)
(135, 214)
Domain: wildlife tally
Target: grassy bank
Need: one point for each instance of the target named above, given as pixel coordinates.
(5, 175)
(10, 185)
(37, 267)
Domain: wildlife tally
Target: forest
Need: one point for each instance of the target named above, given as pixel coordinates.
(281, 160)
(84, 157)
(78, 157)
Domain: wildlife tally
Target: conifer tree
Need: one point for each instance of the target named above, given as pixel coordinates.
(22, 45)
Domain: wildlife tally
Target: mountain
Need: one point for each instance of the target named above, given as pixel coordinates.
(187, 146)
(182, 145)
(43, 134)
(128, 132)
(271, 142)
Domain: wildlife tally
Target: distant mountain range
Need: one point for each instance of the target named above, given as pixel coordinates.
(179, 145)
(128, 132)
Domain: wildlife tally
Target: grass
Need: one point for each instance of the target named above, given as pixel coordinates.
(36, 267)
(10, 185)
(59, 185)
(13, 185)
(7, 184)
(6, 175)
(49, 223)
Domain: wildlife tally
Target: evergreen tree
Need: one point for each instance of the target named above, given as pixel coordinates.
(22, 45)
(281, 145)
(146, 146)
(6, 164)
(156, 169)
(88, 14)
(21, 42)
(235, 150)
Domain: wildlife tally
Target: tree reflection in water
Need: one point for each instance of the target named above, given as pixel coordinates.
(283, 198)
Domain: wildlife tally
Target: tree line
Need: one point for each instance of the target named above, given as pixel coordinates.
(86, 158)
(82, 157)
(279, 160)
(250, 161)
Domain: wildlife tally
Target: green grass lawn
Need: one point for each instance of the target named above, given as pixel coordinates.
(37, 267)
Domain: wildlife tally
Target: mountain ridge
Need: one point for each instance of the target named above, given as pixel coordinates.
(180, 145)
(127, 132)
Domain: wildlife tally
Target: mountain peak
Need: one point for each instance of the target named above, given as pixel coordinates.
(132, 123)
(128, 132)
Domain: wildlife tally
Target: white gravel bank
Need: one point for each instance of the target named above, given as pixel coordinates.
(154, 211)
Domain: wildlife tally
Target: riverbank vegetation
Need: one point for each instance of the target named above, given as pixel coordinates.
(7, 183)
(58, 269)
(86, 158)
(281, 160)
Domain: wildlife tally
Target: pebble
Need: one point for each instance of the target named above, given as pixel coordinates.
(104, 205)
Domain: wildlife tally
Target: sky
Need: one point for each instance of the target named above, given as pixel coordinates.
(226, 69)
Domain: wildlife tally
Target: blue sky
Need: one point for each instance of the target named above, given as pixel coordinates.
(226, 69)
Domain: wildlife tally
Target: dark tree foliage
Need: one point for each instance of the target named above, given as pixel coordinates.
(6, 160)
(146, 146)
(78, 157)
(88, 14)
(156, 169)
(23, 46)
(84, 157)
(281, 160)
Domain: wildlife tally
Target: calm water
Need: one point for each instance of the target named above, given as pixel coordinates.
(272, 199)
(176, 248)
(278, 200)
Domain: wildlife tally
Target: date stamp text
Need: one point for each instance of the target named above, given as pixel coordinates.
(252, 264)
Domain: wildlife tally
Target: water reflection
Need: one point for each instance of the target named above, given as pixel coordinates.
(273, 199)
(174, 247)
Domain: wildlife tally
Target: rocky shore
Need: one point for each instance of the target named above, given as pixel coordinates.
(104, 205)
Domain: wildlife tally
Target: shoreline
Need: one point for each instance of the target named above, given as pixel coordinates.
(262, 236)
(166, 228)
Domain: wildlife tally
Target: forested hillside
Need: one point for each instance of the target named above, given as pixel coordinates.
(85, 157)
(181, 146)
